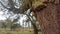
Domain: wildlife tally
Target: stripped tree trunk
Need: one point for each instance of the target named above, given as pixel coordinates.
(49, 18)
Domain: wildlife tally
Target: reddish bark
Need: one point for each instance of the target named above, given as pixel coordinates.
(49, 18)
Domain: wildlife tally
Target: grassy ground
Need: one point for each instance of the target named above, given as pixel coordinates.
(3, 31)
(18, 33)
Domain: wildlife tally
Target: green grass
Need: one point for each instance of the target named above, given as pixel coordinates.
(40, 33)
(17, 32)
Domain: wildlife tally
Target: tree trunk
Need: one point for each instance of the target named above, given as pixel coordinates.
(49, 18)
(35, 28)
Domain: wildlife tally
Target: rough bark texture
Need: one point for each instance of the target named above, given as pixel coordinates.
(49, 18)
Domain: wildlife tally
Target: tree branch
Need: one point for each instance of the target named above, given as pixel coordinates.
(25, 6)
(4, 6)
(12, 8)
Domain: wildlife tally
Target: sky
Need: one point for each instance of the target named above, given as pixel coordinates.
(2, 17)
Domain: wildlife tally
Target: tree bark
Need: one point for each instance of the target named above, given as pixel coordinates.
(35, 28)
(49, 18)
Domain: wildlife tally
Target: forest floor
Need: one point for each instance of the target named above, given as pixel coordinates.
(10, 32)
(21, 31)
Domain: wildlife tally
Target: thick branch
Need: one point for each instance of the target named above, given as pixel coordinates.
(25, 6)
